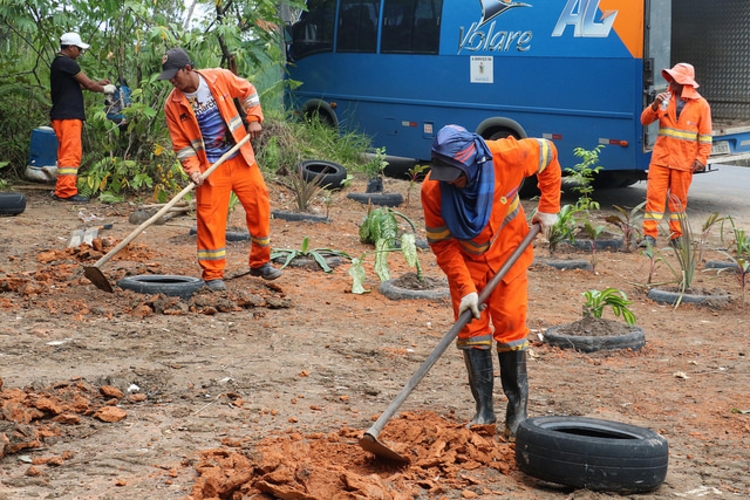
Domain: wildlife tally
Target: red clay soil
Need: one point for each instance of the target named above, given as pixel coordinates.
(263, 391)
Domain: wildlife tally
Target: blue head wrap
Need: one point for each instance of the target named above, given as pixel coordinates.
(466, 210)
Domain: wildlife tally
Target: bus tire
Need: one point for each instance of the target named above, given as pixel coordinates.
(328, 174)
(591, 453)
(168, 284)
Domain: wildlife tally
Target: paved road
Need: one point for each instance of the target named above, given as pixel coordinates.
(726, 191)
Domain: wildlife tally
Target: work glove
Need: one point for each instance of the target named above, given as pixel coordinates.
(545, 220)
(470, 301)
(110, 89)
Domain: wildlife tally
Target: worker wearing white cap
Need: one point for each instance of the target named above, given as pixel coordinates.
(67, 113)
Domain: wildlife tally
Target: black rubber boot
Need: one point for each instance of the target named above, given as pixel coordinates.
(481, 381)
(516, 387)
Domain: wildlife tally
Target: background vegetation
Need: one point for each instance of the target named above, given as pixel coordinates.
(128, 39)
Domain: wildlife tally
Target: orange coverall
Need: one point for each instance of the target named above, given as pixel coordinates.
(69, 154)
(470, 265)
(241, 174)
(680, 142)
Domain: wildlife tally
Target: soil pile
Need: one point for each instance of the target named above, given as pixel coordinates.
(444, 456)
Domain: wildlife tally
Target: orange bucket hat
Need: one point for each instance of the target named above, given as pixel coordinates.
(682, 73)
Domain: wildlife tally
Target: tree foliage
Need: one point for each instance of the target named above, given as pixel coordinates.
(128, 39)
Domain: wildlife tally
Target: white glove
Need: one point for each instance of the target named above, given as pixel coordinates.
(545, 220)
(110, 89)
(470, 301)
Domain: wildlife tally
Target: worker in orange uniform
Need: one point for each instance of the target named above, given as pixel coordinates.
(474, 221)
(204, 123)
(682, 148)
(67, 114)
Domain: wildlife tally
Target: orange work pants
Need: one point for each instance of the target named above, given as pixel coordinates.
(69, 153)
(504, 318)
(212, 209)
(670, 186)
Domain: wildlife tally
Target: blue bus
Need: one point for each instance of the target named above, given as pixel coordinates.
(578, 72)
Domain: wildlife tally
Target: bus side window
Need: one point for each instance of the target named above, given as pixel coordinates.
(313, 32)
(357, 26)
(411, 26)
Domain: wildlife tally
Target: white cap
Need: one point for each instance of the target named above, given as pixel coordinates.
(73, 39)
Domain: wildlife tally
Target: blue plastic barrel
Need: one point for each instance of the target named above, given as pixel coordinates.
(43, 150)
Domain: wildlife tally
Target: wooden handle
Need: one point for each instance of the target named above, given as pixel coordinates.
(449, 337)
(106, 258)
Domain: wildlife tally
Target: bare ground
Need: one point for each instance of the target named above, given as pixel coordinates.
(264, 391)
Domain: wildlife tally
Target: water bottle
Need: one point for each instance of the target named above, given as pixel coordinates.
(665, 102)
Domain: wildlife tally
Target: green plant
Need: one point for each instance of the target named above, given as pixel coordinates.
(380, 228)
(413, 175)
(381, 224)
(581, 177)
(654, 257)
(564, 229)
(593, 232)
(741, 242)
(304, 191)
(690, 251)
(318, 254)
(374, 167)
(628, 222)
(597, 300)
(408, 249)
(3, 182)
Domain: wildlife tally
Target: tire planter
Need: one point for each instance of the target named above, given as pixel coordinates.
(382, 199)
(591, 453)
(310, 263)
(722, 264)
(393, 291)
(606, 242)
(673, 298)
(12, 203)
(299, 216)
(231, 235)
(568, 264)
(168, 284)
(634, 340)
(331, 175)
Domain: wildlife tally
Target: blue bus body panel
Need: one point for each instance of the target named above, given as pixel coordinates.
(532, 64)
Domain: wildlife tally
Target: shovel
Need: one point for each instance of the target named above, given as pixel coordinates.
(94, 273)
(369, 441)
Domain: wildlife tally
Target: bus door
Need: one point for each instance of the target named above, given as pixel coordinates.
(658, 33)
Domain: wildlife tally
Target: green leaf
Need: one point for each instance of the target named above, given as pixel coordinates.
(357, 272)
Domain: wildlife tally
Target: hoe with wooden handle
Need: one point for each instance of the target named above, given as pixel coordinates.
(94, 273)
(370, 439)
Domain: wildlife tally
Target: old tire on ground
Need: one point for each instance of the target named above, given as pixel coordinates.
(634, 340)
(299, 216)
(330, 175)
(230, 235)
(381, 199)
(673, 298)
(168, 284)
(391, 290)
(565, 264)
(591, 453)
(12, 203)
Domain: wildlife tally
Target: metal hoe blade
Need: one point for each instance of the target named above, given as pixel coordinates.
(95, 275)
(369, 441)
